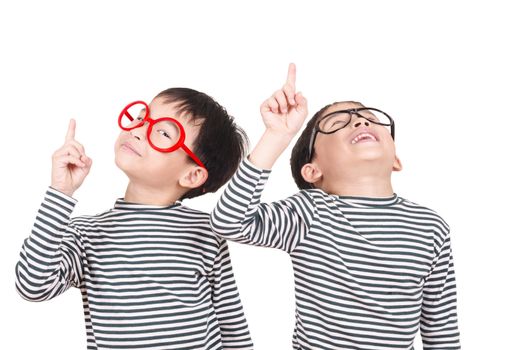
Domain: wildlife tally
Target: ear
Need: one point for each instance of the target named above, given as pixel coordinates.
(397, 165)
(194, 177)
(311, 173)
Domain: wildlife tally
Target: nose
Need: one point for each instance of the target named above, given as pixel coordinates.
(359, 121)
(139, 132)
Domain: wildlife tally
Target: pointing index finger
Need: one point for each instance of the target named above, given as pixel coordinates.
(292, 71)
(70, 135)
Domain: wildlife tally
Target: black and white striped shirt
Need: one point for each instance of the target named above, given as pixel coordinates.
(151, 277)
(368, 271)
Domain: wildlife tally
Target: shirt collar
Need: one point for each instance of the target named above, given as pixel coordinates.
(369, 201)
(121, 204)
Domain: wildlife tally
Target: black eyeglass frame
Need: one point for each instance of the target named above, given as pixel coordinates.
(351, 112)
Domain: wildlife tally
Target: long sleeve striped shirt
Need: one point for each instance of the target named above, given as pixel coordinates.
(369, 272)
(151, 277)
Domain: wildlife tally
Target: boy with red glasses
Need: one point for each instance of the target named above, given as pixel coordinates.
(151, 273)
(370, 267)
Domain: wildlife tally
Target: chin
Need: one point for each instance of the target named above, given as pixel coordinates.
(369, 154)
(125, 165)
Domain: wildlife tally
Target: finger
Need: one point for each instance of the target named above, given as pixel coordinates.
(302, 103)
(66, 160)
(88, 163)
(264, 107)
(273, 105)
(76, 145)
(70, 135)
(280, 97)
(86, 160)
(290, 93)
(73, 151)
(68, 150)
(292, 73)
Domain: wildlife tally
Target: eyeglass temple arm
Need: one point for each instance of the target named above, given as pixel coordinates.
(192, 155)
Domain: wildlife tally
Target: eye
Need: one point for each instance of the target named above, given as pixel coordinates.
(164, 133)
(338, 122)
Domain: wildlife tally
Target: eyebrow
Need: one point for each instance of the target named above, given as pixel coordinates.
(173, 126)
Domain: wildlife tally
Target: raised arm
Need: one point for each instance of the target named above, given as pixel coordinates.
(239, 215)
(51, 257)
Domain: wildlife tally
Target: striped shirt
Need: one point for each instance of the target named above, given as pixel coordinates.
(151, 277)
(368, 271)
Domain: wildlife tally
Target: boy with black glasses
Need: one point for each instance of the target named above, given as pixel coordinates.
(370, 266)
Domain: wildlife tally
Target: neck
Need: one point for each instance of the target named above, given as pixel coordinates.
(358, 184)
(152, 195)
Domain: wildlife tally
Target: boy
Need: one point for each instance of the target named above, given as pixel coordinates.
(370, 267)
(151, 273)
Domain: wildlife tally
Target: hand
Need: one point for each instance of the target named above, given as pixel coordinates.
(70, 165)
(284, 112)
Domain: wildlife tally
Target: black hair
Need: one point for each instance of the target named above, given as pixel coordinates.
(220, 144)
(301, 149)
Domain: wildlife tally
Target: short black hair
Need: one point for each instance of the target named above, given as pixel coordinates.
(301, 149)
(220, 144)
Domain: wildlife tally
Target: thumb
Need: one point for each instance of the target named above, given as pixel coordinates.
(88, 163)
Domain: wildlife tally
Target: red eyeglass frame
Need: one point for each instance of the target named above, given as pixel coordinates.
(152, 122)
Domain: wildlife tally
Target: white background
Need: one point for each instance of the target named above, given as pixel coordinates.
(453, 75)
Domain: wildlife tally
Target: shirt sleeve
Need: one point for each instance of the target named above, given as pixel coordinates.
(226, 301)
(239, 215)
(438, 323)
(51, 257)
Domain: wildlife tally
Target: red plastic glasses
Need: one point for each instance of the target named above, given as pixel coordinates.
(163, 134)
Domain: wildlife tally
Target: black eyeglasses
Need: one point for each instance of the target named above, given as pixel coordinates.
(338, 120)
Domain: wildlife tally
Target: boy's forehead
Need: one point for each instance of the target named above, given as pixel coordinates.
(342, 105)
(163, 108)
(160, 107)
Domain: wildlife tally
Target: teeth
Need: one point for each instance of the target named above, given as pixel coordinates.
(363, 136)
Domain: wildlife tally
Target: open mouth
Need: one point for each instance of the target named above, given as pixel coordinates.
(364, 137)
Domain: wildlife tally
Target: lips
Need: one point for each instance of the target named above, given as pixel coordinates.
(127, 146)
(363, 135)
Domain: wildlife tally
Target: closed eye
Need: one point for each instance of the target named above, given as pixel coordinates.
(338, 122)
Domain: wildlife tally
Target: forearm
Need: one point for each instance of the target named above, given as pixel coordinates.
(268, 149)
(49, 259)
(235, 216)
(230, 314)
(439, 321)
(226, 301)
(239, 215)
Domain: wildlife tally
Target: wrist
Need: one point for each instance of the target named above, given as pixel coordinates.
(278, 138)
(68, 193)
(269, 148)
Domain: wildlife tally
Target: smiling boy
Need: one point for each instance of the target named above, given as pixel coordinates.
(370, 267)
(151, 273)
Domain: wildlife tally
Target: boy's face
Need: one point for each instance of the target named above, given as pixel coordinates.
(360, 142)
(141, 162)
